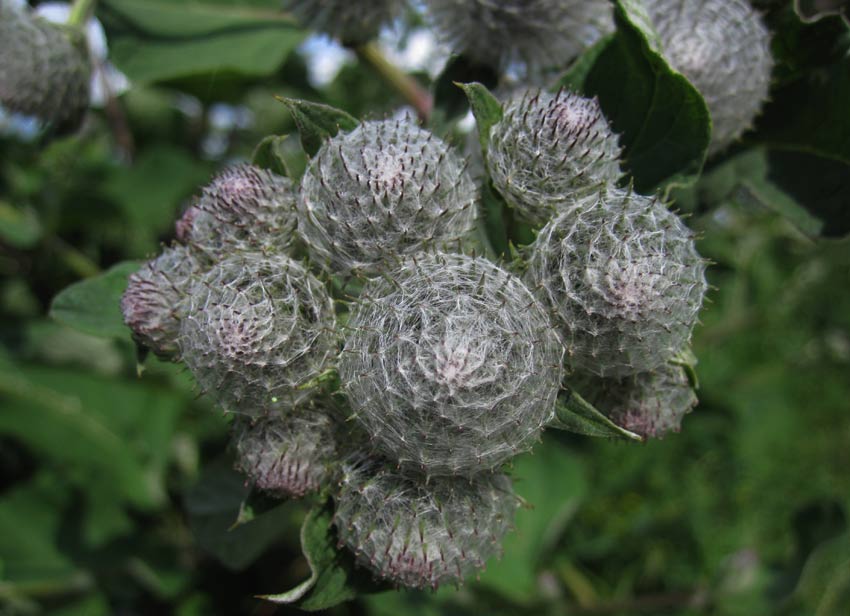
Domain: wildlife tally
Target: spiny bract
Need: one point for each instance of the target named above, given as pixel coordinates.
(419, 534)
(258, 329)
(382, 191)
(648, 403)
(243, 208)
(350, 21)
(723, 48)
(44, 71)
(536, 33)
(549, 148)
(450, 365)
(286, 455)
(623, 276)
(156, 297)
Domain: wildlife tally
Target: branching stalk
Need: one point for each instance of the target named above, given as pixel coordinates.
(81, 11)
(410, 89)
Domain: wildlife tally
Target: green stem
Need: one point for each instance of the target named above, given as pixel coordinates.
(80, 12)
(409, 89)
(75, 260)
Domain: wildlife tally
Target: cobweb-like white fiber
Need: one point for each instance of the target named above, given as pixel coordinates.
(451, 365)
(419, 534)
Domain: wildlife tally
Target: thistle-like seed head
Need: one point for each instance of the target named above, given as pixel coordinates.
(623, 276)
(723, 48)
(450, 365)
(258, 329)
(385, 190)
(549, 149)
(648, 403)
(156, 297)
(350, 21)
(44, 70)
(536, 33)
(245, 208)
(420, 534)
(286, 455)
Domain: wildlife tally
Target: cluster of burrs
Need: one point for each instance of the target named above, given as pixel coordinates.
(445, 364)
(618, 271)
(44, 68)
(533, 34)
(369, 355)
(721, 46)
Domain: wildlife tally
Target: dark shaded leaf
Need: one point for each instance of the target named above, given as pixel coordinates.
(333, 578)
(217, 519)
(447, 97)
(662, 120)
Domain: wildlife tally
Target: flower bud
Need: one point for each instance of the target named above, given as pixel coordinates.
(723, 48)
(245, 208)
(351, 21)
(450, 365)
(648, 403)
(155, 299)
(287, 455)
(623, 277)
(549, 149)
(258, 330)
(419, 534)
(538, 33)
(44, 69)
(385, 190)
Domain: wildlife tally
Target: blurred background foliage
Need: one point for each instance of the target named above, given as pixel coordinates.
(117, 494)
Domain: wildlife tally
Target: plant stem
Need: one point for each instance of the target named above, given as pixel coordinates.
(80, 12)
(75, 260)
(410, 89)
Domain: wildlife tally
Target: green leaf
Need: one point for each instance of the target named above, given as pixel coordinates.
(151, 192)
(333, 576)
(824, 586)
(807, 130)
(93, 305)
(72, 420)
(752, 173)
(158, 40)
(216, 516)
(810, 114)
(269, 155)
(19, 227)
(485, 107)
(31, 514)
(551, 480)
(317, 122)
(575, 414)
(820, 185)
(663, 122)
